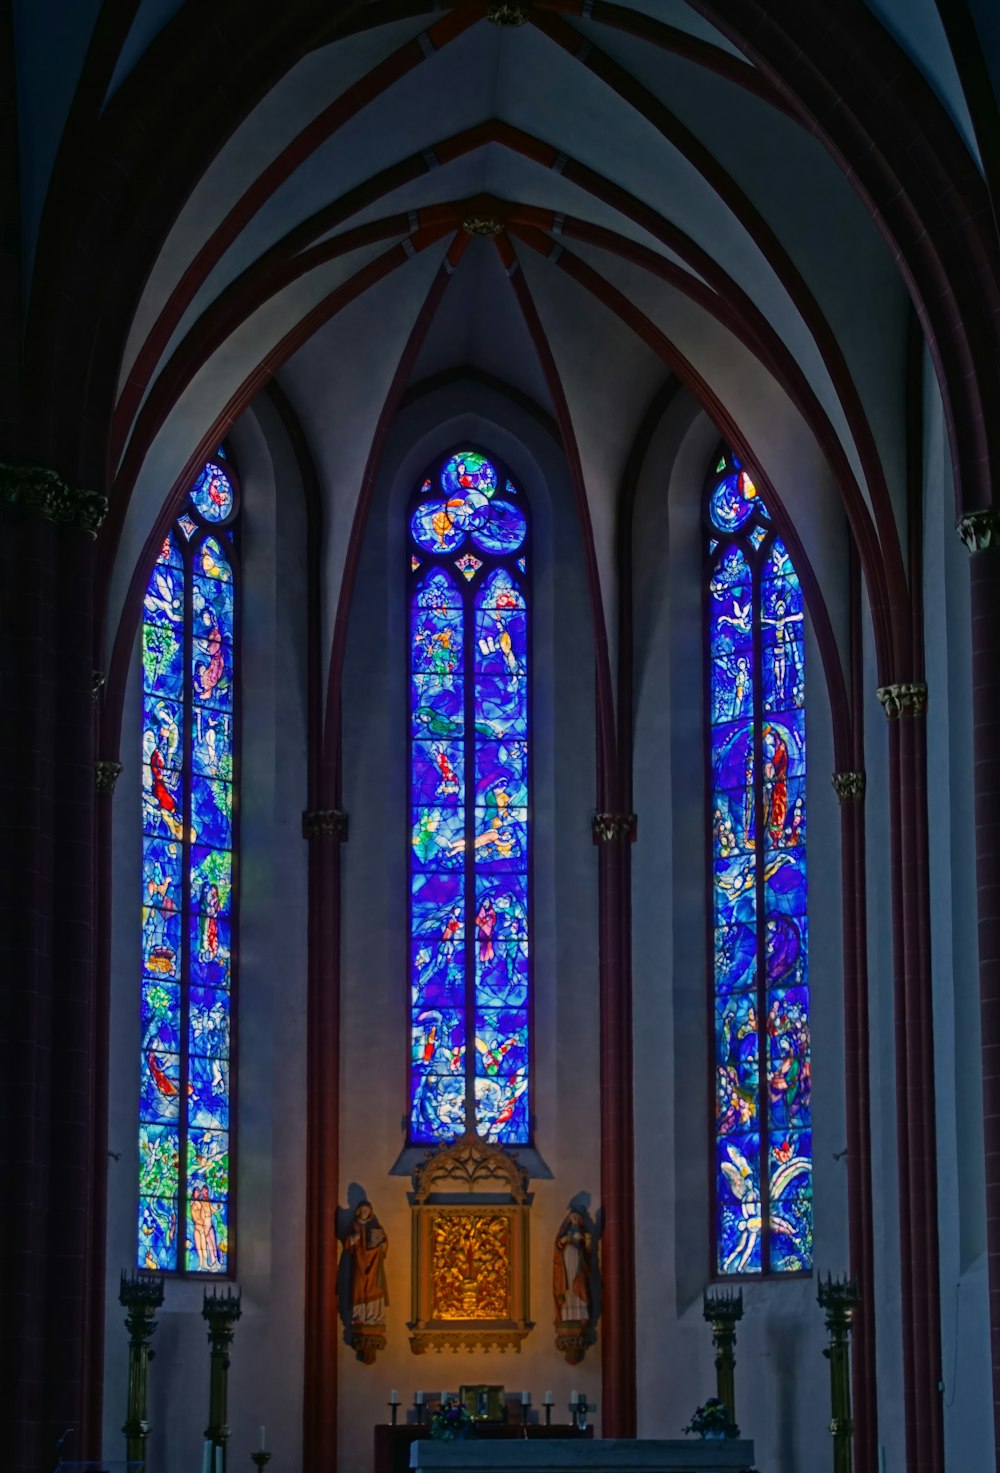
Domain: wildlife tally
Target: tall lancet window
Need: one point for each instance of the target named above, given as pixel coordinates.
(189, 749)
(757, 813)
(469, 968)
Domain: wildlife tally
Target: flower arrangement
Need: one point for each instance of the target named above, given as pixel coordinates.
(451, 1421)
(712, 1420)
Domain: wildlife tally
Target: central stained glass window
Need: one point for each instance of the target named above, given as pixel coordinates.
(763, 1120)
(469, 798)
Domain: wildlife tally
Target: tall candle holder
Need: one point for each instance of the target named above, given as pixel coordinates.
(840, 1298)
(262, 1459)
(141, 1295)
(221, 1311)
(723, 1310)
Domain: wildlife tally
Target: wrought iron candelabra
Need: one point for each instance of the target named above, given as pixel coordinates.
(839, 1298)
(141, 1295)
(221, 1312)
(723, 1310)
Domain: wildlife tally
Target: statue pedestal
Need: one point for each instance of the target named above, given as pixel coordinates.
(603, 1455)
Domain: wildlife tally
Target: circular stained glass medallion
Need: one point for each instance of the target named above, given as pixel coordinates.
(212, 493)
(435, 527)
(732, 501)
(503, 530)
(468, 471)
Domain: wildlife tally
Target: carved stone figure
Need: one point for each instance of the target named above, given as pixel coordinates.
(571, 1285)
(367, 1245)
(571, 1269)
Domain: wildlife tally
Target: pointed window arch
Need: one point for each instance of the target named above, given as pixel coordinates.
(757, 814)
(469, 776)
(189, 776)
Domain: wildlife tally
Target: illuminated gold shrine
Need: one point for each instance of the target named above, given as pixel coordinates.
(470, 1213)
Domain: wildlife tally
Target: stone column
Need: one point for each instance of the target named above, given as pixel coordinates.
(50, 1300)
(614, 833)
(850, 786)
(980, 531)
(325, 829)
(905, 706)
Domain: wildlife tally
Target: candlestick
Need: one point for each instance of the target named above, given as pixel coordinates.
(548, 1408)
(221, 1311)
(141, 1295)
(261, 1459)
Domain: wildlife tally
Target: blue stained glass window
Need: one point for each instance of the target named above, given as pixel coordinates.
(757, 815)
(189, 749)
(470, 978)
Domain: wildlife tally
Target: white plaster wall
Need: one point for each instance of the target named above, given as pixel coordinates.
(266, 1375)
(782, 1378)
(374, 999)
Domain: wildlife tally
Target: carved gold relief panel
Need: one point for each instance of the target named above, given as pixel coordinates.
(470, 1265)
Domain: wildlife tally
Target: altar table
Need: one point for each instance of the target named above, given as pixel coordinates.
(392, 1444)
(602, 1455)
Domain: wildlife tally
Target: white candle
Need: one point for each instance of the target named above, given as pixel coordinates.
(263, 1439)
(574, 1397)
(548, 1398)
(526, 1398)
(394, 1398)
(206, 1453)
(418, 1398)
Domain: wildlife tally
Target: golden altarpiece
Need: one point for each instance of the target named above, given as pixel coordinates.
(470, 1209)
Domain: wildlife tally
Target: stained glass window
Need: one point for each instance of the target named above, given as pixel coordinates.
(756, 691)
(188, 884)
(468, 566)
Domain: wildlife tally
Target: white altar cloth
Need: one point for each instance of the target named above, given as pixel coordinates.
(603, 1455)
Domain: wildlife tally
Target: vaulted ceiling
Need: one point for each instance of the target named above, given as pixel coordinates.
(574, 197)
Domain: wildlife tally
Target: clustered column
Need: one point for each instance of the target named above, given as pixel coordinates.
(48, 1147)
(614, 833)
(905, 706)
(980, 531)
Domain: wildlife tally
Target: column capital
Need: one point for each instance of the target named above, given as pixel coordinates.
(106, 774)
(904, 698)
(45, 491)
(324, 823)
(503, 13)
(850, 786)
(611, 828)
(980, 530)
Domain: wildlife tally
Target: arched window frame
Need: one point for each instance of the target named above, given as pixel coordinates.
(761, 1157)
(468, 583)
(198, 1078)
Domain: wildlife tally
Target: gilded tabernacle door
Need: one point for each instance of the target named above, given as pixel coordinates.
(470, 1208)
